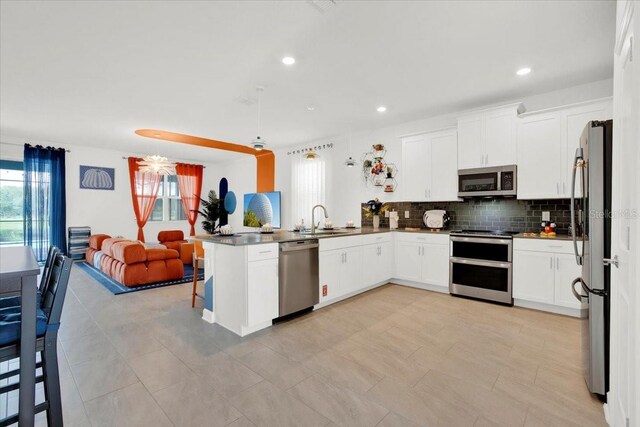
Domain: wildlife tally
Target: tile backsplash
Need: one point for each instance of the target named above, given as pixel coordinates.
(485, 214)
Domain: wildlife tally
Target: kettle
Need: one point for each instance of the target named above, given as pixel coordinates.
(436, 219)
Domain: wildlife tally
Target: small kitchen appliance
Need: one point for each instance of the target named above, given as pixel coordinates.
(487, 182)
(436, 219)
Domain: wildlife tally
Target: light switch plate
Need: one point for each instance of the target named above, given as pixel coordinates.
(546, 216)
(406, 214)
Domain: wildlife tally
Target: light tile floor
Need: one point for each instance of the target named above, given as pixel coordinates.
(394, 356)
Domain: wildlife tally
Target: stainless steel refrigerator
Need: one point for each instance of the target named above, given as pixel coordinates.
(591, 232)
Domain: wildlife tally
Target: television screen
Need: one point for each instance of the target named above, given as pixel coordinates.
(262, 208)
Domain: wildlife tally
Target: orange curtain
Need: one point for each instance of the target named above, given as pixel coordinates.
(190, 185)
(144, 192)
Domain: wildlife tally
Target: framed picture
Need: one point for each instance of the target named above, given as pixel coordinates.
(97, 178)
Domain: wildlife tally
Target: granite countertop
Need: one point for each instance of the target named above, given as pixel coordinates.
(280, 236)
(537, 236)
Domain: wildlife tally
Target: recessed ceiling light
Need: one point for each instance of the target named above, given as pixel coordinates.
(311, 108)
(523, 71)
(288, 60)
(381, 109)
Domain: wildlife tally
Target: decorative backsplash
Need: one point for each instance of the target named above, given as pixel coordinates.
(485, 214)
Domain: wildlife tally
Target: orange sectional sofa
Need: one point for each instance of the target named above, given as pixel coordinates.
(131, 263)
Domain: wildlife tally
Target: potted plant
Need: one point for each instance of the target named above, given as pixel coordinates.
(211, 212)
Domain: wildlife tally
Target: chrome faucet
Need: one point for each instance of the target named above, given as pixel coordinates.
(313, 218)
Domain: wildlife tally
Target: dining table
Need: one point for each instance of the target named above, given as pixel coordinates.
(19, 272)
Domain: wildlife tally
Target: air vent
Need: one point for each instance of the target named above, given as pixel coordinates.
(322, 5)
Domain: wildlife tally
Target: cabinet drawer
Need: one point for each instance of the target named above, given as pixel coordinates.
(331, 243)
(260, 252)
(426, 237)
(370, 239)
(542, 245)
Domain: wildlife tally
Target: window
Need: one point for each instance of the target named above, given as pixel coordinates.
(11, 198)
(308, 187)
(168, 205)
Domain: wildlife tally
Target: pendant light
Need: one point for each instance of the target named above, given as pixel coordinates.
(350, 162)
(258, 143)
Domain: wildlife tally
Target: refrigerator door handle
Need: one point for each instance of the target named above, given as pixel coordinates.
(578, 162)
(573, 289)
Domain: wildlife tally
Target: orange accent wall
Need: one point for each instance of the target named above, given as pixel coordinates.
(265, 159)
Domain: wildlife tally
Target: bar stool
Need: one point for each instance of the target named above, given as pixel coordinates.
(44, 279)
(47, 325)
(198, 259)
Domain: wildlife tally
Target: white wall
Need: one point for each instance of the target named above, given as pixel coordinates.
(108, 212)
(345, 187)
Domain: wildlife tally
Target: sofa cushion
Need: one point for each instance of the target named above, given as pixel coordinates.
(130, 274)
(95, 240)
(129, 252)
(170, 236)
(107, 244)
(161, 254)
(175, 245)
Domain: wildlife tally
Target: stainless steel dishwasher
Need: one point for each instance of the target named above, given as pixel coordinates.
(299, 282)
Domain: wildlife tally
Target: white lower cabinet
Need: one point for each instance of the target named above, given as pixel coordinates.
(376, 263)
(340, 267)
(533, 276)
(566, 271)
(262, 291)
(422, 258)
(543, 272)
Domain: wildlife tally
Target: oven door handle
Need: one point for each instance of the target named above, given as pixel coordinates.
(497, 264)
(487, 240)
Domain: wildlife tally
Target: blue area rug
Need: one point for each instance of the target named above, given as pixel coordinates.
(117, 288)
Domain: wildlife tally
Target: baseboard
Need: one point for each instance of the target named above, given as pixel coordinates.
(349, 295)
(420, 285)
(573, 312)
(208, 316)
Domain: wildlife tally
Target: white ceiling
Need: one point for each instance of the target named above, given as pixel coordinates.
(92, 72)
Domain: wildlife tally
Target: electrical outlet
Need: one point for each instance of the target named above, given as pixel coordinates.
(386, 214)
(406, 214)
(546, 216)
(324, 290)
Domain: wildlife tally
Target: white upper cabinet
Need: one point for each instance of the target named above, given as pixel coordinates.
(417, 176)
(444, 173)
(430, 169)
(471, 142)
(546, 146)
(539, 160)
(574, 120)
(500, 137)
(488, 138)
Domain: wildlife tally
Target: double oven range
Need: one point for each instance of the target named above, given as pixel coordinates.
(480, 265)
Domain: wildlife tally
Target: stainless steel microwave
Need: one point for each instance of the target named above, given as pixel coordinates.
(487, 182)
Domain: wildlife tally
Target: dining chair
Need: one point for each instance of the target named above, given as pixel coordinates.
(198, 260)
(47, 325)
(44, 279)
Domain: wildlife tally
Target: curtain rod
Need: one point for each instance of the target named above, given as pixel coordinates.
(22, 145)
(203, 167)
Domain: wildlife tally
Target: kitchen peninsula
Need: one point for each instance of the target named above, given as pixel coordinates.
(242, 270)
